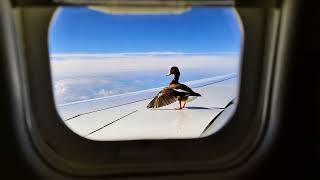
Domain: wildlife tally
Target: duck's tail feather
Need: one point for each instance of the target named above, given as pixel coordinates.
(195, 94)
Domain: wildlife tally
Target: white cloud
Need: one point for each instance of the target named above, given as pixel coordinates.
(104, 93)
(68, 90)
(83, 66)
(79, 77)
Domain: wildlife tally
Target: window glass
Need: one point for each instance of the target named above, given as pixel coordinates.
(125, 74)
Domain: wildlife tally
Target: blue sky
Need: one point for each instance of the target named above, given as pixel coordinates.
(199, 30)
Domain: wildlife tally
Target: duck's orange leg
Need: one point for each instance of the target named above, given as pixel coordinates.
(184, 105)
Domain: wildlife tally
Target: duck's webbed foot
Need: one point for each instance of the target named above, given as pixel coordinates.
(179, 106)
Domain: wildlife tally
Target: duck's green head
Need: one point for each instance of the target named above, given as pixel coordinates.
(174, 70)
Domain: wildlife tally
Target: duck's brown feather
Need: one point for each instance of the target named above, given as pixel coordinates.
(163, 98)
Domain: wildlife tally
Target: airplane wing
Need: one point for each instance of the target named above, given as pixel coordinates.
(125, 117)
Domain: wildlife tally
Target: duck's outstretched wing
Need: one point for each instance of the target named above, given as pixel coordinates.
(163, 98)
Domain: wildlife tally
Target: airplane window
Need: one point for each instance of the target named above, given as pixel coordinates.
(127, 74)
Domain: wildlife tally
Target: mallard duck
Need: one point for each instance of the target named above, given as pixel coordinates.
(175, 91)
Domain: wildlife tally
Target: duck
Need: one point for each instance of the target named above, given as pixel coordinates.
(174, 92)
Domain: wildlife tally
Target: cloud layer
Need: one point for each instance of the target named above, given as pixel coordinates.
(85, 76)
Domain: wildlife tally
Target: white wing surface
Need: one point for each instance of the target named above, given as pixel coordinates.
(125, 117)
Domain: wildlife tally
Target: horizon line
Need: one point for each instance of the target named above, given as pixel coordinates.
(76, 54)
